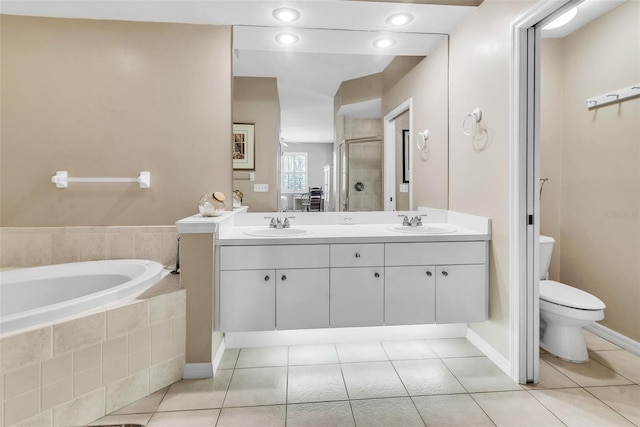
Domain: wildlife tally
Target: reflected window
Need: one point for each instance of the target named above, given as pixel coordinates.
(294, 172)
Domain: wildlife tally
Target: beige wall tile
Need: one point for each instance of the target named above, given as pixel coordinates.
(92, 246)
(167, 306)
(37, 250)
(11, 250)
(81, 410)
(161, 332)
(87, 381)
(122, 320)
(22, 381)
(43, 419)
(65, 248)
(120, 246)
(148, 246)
(139, 340)
(114, 370)
(87, 358)
(78, 333)
(127, 390)
(57, 368)
(161, 352)
(169, 247)
(179, 335)
(114, 349)
(57, 393)
(25, 348)
(165, 373)
(21, 407)
(139, 360)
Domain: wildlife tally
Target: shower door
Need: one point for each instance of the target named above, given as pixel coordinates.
(361, 178)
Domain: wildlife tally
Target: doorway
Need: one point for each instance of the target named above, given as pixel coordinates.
(390, 146)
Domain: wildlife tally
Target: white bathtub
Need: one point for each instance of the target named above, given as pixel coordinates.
(31, 296)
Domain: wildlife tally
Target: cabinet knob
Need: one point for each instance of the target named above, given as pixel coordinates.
(284, 277)
(266, 278)
(357, 254)
(429, 274)
(445, 274)
(376, 274)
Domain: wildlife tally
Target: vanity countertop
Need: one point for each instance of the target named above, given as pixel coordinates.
(352, 233)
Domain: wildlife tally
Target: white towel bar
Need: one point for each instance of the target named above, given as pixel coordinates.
(62, 180)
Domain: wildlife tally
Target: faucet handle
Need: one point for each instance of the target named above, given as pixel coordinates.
(405, 220)
(418, 220)
(272, 223)
(286, 223)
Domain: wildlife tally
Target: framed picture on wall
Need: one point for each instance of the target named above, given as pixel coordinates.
(406, 140)
(243, 147)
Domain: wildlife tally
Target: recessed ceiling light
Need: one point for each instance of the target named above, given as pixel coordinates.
(562, 19)
(287, 38)
(384, 43)
(286, 14)
(399, 19)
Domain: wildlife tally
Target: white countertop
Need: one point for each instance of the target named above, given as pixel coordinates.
(232, 228)
(353, 233)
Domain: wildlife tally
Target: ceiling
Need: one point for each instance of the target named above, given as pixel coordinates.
(335, 44)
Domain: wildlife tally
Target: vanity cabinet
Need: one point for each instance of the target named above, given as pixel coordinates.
(409, 295)
(357, 296)
(350, 285)
(445, 282)
(274, 287)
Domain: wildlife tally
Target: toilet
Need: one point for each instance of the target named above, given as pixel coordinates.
(564, 310)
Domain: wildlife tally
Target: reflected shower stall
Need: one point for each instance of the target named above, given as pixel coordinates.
(361, 177)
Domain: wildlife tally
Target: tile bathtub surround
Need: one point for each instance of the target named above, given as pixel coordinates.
(81, 368)
(35, 246)
(412, 386)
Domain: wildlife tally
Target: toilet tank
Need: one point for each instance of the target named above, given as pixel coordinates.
(546, 250)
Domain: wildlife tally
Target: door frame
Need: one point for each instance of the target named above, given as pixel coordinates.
(390, 155)
(524, 171)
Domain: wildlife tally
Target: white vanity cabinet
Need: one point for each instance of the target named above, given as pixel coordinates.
(274, 287)
(357, 285)
(445, 282)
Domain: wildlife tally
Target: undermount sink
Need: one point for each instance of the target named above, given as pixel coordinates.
(424, 229)
(277, 232)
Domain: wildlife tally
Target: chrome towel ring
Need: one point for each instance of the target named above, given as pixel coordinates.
(476, 115)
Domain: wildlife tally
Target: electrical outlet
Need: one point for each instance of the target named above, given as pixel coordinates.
(260, 188)
(347, 219)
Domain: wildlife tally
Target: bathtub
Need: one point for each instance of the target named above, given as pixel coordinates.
(31, 296)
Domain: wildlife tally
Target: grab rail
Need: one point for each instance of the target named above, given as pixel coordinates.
(62, 180)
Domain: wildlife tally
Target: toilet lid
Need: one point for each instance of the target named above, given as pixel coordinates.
(559, 293)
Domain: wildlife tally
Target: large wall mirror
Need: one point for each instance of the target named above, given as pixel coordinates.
(337, 115)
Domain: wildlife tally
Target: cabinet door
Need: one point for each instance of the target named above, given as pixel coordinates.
(409, 295)
(461, 293)
(302, 298)
(247, 300)
(357, 296)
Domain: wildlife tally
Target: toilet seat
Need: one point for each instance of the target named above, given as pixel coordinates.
(558, 293)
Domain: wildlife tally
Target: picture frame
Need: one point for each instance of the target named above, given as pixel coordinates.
(406, 141)
(243, 146)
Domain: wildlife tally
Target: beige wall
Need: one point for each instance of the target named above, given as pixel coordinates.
(599, 165)
(256, 101)
(427, 85)
(108, 98)
(479, 175)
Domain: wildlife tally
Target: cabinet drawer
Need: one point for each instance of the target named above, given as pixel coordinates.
(435, 253)
(276, 256)
(355, 255)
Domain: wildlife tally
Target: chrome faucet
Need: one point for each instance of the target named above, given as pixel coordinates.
(415, 221)
(278, 223)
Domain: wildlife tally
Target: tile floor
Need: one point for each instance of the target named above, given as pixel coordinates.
(445, 382)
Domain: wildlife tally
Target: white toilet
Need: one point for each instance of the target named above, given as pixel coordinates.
(564, 310)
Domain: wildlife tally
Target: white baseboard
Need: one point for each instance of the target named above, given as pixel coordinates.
(616, 338)
(498, 359)
(197, 370)
(218, 356)
(343, 335)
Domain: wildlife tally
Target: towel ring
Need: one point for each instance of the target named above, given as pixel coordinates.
(476, 115)
(422, 139)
